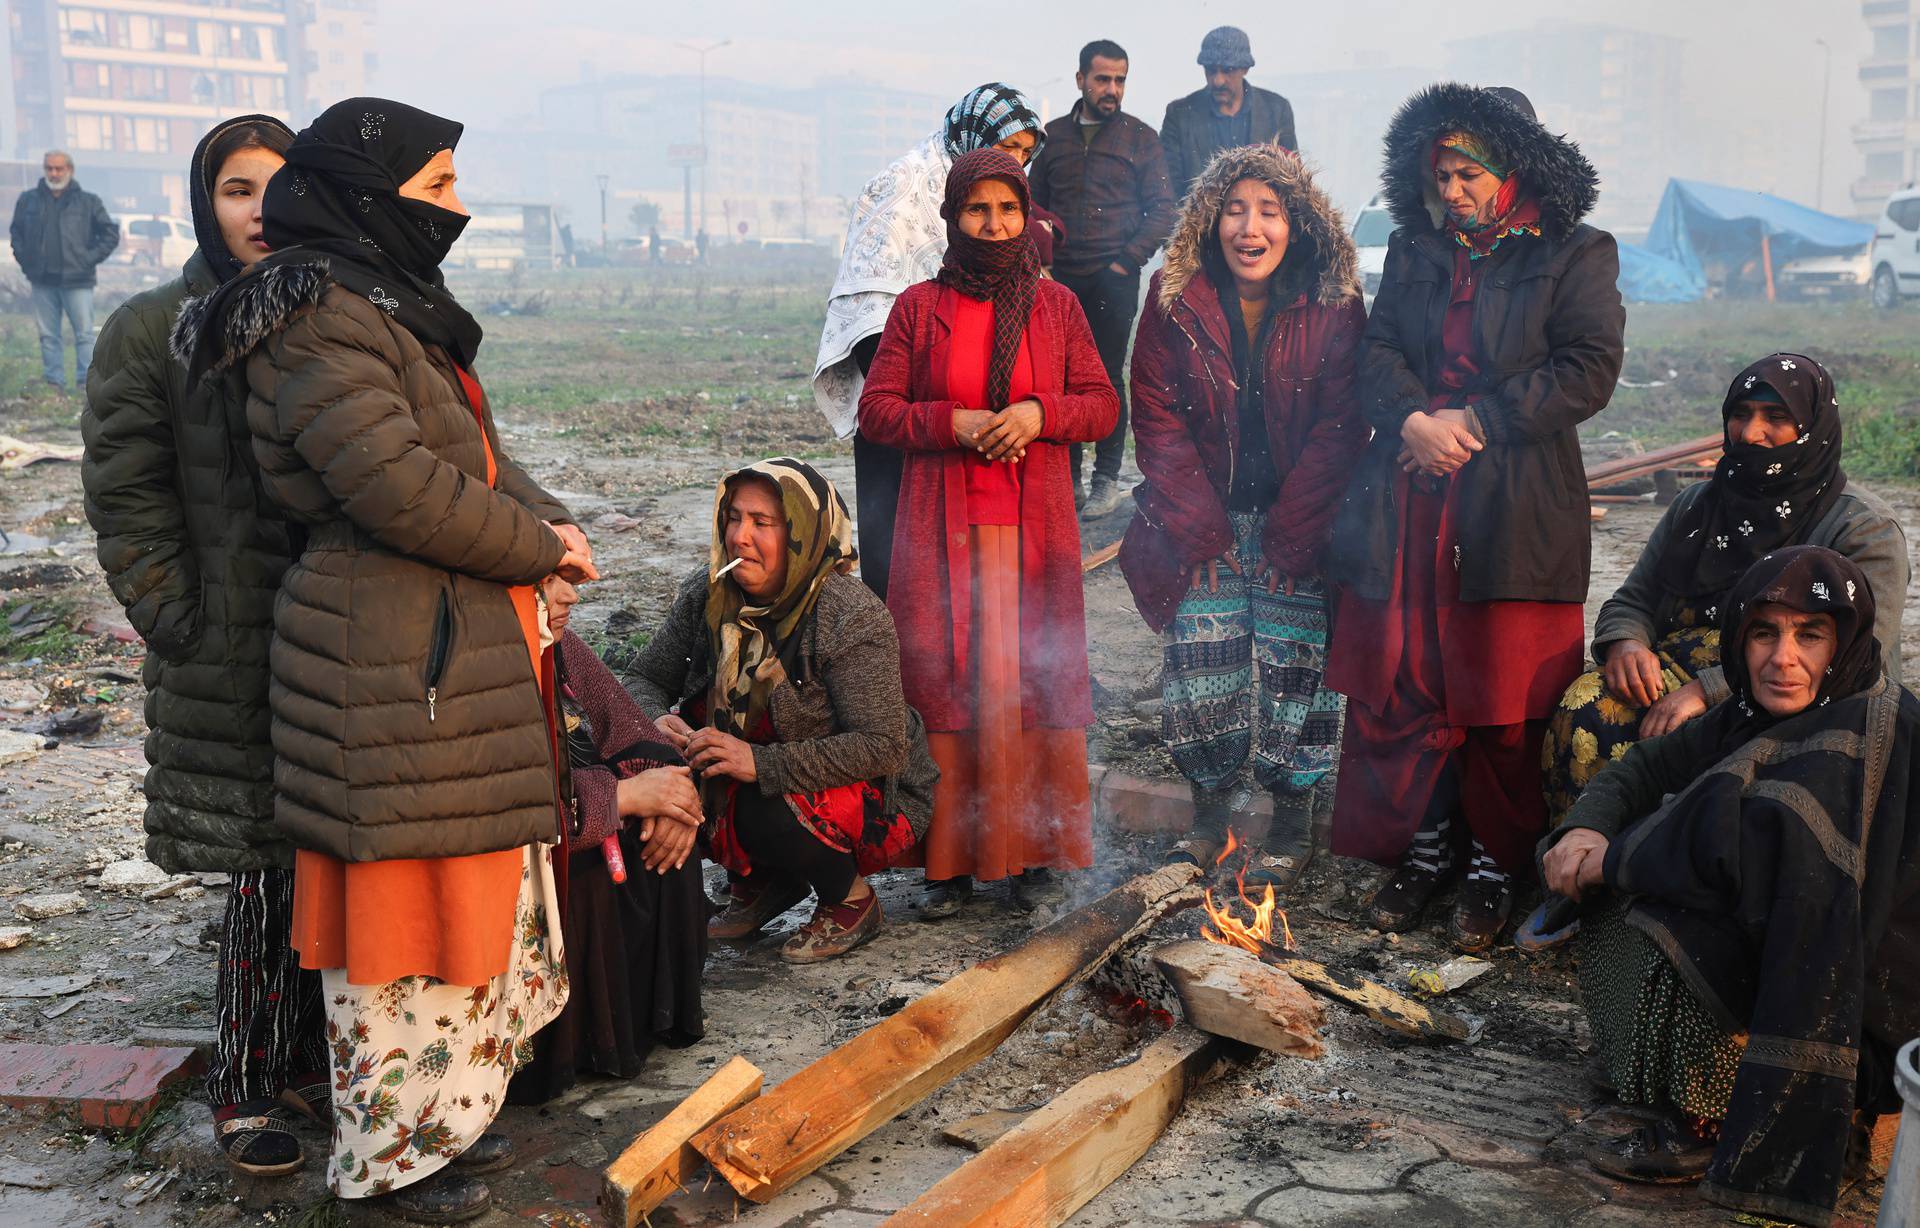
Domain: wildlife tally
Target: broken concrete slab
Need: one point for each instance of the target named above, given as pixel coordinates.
(109, 1086)
(18, 747)
(133, 874)
(42, 907)
(43, 986)
(12, 936)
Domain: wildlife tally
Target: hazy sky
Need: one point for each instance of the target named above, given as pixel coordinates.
(490, 64)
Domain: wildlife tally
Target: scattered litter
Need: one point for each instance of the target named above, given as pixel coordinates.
(12, 936)
(616, 522)
(134, 874)
(190, 892)
(41, 907)
(1432, 982)
(54, 1012)
(171, 887)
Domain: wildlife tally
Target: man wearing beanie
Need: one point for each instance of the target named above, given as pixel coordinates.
(1226, 114)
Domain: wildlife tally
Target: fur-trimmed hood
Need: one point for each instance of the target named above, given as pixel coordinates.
(1552, 168)
(215, 331)
(1331, 276)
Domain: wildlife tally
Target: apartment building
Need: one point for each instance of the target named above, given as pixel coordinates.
(1889, 138)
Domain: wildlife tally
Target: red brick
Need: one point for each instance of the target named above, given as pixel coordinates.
(1137, 804)
(112, 1086)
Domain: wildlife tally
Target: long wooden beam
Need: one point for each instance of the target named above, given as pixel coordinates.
(1234, 993)
(822, 1110)
(1626, 468)
(659, 1161)
(1046, 1168)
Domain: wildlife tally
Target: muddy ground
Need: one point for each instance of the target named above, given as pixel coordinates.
(1380, 1129)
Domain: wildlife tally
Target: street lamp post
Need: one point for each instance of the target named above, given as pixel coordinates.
(1820, 166)
(701, 51)
(602, 180)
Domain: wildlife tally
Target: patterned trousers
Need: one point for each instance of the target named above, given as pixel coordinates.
(1241, 673)
(269, 1026)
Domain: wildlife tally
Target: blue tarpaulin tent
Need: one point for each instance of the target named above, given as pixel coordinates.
(1702, 224)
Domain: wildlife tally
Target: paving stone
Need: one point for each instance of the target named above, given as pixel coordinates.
(1305, 1207)
(1490, 1195)
(1377, 1166)
(104, 1085)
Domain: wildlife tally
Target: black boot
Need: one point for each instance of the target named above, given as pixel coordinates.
(1480, 911)
(489, 1153)
(448, 1197)
(945, 897)
(1428, 866)
(1667, 1152)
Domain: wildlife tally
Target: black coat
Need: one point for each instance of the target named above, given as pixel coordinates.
(87, 235)
(1187, 131)
(1549, 328)
(195, 554)
(1111, 193)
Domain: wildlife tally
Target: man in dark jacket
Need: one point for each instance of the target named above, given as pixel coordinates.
(61, 232)
(1227, 114)
(1104, 174)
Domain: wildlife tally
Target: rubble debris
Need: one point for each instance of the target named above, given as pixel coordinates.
(1432, 982)
(108, 1086)
(133, 874)
(42, 907)
(659, 1161)
(18, 747)
(12, 936)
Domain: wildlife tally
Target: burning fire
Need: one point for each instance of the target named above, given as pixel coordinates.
(1227, 929)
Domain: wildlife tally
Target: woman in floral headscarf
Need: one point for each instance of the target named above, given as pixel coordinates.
(1656, 642)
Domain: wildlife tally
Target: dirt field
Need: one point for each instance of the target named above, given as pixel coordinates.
(626, 396)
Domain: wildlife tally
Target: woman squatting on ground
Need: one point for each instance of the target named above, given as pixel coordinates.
(983, 376)
(1247, 423)
(415, 769)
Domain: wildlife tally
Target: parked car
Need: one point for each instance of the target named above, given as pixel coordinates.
(1826, 276)
(152, 240)
(1372, 227)
(1895, 253)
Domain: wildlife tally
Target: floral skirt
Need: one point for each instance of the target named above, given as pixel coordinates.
(1590, 728)
(420, 1067)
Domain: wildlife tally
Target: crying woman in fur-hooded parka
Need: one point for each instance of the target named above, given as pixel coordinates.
(1247, 423)
(1462, 542)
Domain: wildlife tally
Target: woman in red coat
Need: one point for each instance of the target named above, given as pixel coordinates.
(983, 376)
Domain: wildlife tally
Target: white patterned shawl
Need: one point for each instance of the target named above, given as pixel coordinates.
(896, 239)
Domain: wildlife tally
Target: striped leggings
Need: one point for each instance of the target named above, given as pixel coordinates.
(269, 1026)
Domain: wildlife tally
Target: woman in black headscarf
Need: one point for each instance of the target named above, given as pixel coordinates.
(196, 557)
(416, 773)
(1758, 963)
(1656, 642)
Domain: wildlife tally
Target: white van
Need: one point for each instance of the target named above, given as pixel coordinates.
(1372, 227)
(1895, 254)
(150, 240)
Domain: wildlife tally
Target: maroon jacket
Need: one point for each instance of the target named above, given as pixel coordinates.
(905, 405)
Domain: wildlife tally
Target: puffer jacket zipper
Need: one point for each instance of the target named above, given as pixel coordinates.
(438, 650)
(1207, 367)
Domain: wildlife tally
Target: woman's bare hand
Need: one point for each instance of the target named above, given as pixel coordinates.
(967, 425)
(1211, 570)
(1632, 673)
(1565, 865)
(576, 568)
(1672, 711)
(1010, 431)
(664, 845)
(657, 793)
(675, 730)
(713, 753)
(1438, 443)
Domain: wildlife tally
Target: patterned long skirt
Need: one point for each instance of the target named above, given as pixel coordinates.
(1660, 1044)
(1590, 728)
(420, 1067)
(1241, 675)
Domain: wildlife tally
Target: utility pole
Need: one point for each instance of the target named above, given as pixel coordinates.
(1820, 166)
(602, 179)
(702, 52)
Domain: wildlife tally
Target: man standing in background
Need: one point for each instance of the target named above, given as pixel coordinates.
(61, 233)
(1227, 114)
(1104, 173)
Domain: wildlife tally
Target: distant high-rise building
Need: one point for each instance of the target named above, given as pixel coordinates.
(130, 86)
(1619, 93)
(1889, 138)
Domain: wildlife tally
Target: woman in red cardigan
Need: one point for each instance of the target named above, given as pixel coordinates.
(983, 375)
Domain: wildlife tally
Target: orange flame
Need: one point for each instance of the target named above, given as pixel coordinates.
(1228, 929)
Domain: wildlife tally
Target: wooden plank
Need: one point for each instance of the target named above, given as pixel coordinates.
(1705, 449)
(1379, 1003)
(982, 1130)
(1234, 993)
(832, 1104)
(1100, 558)
(659, 1161)
(1049, 1166)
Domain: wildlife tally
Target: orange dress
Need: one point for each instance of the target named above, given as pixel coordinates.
(1009, 798)
(446, 917)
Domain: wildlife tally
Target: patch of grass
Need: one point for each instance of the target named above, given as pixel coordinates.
(324, 1212)
(59, 642)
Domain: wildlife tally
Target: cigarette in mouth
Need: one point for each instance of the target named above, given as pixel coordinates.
(729, 567)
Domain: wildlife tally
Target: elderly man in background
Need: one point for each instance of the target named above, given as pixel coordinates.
(1103, 173)
(61, 232)
(1227, 114)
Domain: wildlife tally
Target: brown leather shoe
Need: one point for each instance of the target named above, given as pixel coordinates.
(752, 904)
(833, 931)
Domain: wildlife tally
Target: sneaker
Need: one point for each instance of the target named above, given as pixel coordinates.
(447, 1197)
(751, 903)
(834, 930)
(489, 1153)
(1396, 907)
(1480, 912)
(256, 1137)
(1035, 887)
(945, 897)
(311, 1096)
(1102, 498)
(1667, 1152)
